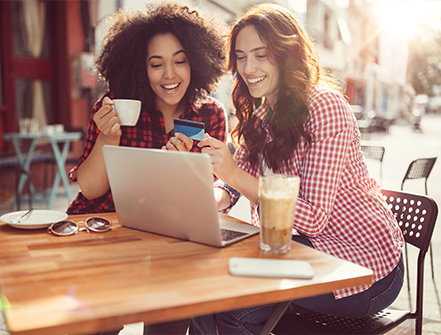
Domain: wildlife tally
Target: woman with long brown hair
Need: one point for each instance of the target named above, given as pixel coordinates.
(293, 117)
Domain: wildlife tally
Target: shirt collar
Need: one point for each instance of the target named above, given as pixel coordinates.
(191, 107)
(261, 112)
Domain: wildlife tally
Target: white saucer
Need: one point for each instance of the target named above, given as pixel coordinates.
(39, 218)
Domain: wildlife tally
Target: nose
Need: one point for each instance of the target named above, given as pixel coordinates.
(169, 72)
(250, 67)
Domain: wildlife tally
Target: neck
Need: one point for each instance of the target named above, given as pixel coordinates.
(267, 101)
(170, 112)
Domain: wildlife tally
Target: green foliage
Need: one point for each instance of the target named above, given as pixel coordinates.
(425, 60)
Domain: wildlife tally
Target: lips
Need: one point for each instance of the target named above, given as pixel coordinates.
(170, 87)
(255, 80)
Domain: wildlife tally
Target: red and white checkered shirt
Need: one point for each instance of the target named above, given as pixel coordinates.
(340, 208)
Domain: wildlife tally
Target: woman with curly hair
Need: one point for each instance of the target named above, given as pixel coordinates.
(294, 120)
(170, 56)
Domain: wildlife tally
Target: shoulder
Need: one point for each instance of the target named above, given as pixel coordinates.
(326, 102)
(328, 107)
(210, 105)
(322, 96)
(211, 102)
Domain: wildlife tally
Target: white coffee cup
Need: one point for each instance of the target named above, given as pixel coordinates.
(128, 111)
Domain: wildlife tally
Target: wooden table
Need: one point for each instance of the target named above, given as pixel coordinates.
(85, 283)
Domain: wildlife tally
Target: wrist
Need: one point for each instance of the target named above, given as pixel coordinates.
(245, 184)
(108, 139)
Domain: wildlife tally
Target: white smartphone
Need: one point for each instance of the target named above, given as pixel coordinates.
(265, 267)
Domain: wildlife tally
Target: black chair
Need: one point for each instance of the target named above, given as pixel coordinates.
(10, 162)
(419, 169)
(416, 215)
(374, 152)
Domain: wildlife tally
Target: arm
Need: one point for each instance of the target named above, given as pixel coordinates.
(226, 169)
(222, 198)
(323, 162)
(92, 174)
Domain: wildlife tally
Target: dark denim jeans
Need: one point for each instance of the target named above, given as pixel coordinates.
(250, 320)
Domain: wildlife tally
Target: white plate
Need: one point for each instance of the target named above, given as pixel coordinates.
(39, 218)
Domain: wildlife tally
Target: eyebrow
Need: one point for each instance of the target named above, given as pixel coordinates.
(159, 57)
(252, 50)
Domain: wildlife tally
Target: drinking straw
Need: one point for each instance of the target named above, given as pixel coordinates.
(259, 158)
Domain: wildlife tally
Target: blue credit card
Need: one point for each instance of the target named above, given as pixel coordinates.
(192, 129)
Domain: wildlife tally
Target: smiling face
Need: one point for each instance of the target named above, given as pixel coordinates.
(168, 70)
(253, 65)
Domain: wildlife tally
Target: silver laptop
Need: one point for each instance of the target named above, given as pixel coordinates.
(169, 193)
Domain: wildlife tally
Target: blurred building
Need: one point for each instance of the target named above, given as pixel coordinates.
(370, 60)
(362, 51)
(45, 52)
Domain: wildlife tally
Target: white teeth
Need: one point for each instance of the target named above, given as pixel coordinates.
(170, 87)
(256, 80)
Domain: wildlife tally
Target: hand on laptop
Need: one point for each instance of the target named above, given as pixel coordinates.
(179, 142)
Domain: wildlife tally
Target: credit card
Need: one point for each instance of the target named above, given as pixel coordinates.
(192, 129)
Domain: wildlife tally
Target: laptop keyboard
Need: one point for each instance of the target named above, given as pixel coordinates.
(228, 235)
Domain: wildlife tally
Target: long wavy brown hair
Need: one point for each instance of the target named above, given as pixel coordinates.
(290, 47)
(122, 63)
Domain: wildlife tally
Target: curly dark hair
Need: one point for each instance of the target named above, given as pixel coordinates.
(122, 63)
(290, 47)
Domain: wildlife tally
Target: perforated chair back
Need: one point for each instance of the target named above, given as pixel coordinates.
(416, 215)
(373, 151)
(419, 168)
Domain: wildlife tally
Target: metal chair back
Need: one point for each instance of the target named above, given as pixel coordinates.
(373, 151)
(419, 168)
(416, 215)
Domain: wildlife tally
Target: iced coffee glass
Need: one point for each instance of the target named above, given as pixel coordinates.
(278, 197)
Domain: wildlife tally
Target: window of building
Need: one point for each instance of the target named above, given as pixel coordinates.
(2, 99)
(327, 28)
(33, 70)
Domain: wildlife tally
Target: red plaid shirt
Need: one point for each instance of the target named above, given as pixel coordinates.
(340, 208)
(149, 132)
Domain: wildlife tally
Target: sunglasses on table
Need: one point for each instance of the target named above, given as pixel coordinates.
(65, 228)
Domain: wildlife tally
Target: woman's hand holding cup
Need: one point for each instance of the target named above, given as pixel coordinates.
(106, 119)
